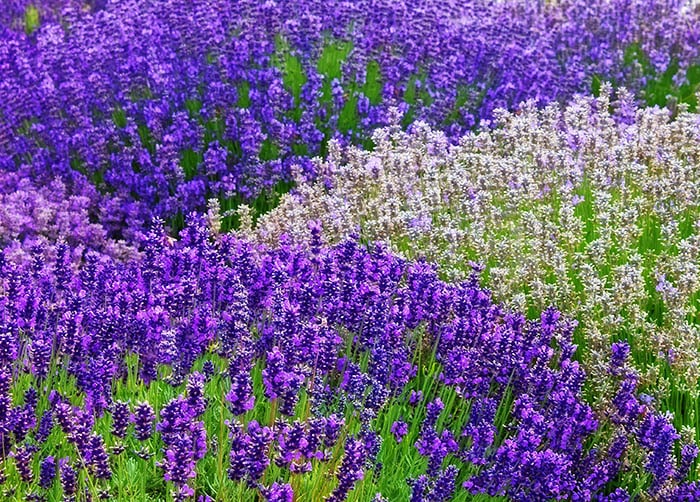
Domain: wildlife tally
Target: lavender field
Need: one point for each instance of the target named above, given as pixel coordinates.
(362, 250)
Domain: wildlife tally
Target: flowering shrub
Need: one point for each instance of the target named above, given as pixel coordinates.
(295, 364)
(383, 163)
(583, 207)
(32, 215)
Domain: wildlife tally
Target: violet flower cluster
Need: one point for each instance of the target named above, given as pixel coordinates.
(507, 400)
(147, 354)
(591, 207)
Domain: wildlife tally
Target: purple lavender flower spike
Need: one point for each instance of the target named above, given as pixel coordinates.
(47, 472)
(350, 471)
(120, 418)
(278, 492)
(69, 478)
(399, 429)
(143, 418)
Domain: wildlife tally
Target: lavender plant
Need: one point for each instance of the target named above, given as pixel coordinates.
(591, 207)
(45, 215)
(316, 353)
(340, 343)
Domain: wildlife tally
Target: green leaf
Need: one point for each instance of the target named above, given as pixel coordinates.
(31, 19)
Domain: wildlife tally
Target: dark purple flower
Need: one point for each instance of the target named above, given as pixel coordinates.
(69, 478)
(23, 459)
(237, 457)
(45, 427)
(280, 382)
(178, 463)
(350, 471)
(399, 429)
(240, 398)
(184, 437)
(620, 353)
(658, 435)
(143, 418)
(419, 488)
(120, 418)
(47, 472)
(195, 393)
(257, 451)
(208, 369)
(619, 495)
(444, 486)
(689, 452)
(99, 458)
(278, 492)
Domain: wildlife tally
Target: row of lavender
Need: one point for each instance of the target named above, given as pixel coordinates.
(148, 108)
(593, 207)
(333, 362)
(291, 362)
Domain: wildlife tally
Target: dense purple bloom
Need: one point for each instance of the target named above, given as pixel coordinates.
(45, 427)
(689, 452)
(340, 322)
(23, 458)
(143, 418)
(31, 398)
(659, 436)
(333, 426)
(175, 417)
(5, 399)
(293, 445)
(178, 463)
(278, 492)
(184, 437)
(47, 472)
(350, 471)
(433, 444)
(399, 429)
(444, 485)
(257, 451)
(120, 418)
(686, 492)
(415, 398)
(139, 122)
(281, 383)
(620, 352)
(480, 430)
(249, 451)
(195, 393)
(99, 458)
(419, 488)
(372, 443)
(77, 425)
(23, 419)
(69, 478)
(8, 345)
(240, 398)
(619, 495)
(208, 369)
(237, 457)
(433, 410)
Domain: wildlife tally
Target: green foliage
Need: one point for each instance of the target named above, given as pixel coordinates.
(244, 95)
(119, 118)
(190, 162)
(332, 57)
(31, 19)
(373, 84)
